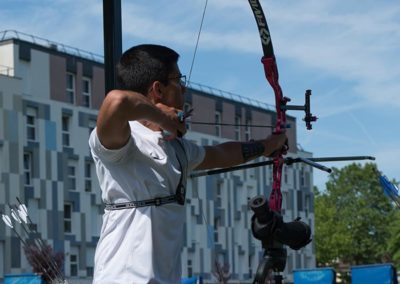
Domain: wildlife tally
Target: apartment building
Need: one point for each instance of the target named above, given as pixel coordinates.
(49, 98)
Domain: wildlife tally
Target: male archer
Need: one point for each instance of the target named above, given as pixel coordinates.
(142, 171)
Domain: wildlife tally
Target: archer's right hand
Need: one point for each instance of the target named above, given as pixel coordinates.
(172, 124)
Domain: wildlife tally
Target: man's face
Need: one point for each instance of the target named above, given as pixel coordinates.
(173, 91)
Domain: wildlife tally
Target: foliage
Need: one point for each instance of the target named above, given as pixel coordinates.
(353, 219)
(394, 241)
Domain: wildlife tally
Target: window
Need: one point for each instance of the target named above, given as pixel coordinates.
(288, 175)
(89, 261)
(270, 174)
(95, 221)
(92, 125)
(219, 191)
(88, 176)
(237, 127)
(86, 91)
(217, 222)
(73, 260)
(1, 164)
(28, 168)
(71, 176)
(190, 267)
(285, 174)
(67, 217)
(302, 177)
(65, 130)
(307, 206)
(31, 117)
(90, 271)
(250, 266)
(70, 88)
(285, 200)
(218, 124)
(247, 130)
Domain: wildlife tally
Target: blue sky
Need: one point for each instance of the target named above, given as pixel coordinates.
(347, 52)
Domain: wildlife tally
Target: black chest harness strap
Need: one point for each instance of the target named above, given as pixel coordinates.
(180, 193)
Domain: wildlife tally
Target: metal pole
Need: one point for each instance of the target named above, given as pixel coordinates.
(112, 41)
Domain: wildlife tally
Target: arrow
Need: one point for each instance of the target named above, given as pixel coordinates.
(23, 213)
(389, 189)
(15, 216)
(7, 221)
(38, 243)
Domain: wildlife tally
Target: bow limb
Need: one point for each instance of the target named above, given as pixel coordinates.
(271, 73)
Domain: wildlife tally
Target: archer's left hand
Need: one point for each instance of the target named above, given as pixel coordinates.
(276, 144)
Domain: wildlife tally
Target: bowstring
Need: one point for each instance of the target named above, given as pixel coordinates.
(197, 41)
(208, 228)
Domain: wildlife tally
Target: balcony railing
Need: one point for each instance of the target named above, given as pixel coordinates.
(6, 70)
(229, 95)
(10, 34)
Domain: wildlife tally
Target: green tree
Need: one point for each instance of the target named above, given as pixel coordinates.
(353, 218)
(394, 241)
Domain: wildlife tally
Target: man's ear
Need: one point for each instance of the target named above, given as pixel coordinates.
(155, 93)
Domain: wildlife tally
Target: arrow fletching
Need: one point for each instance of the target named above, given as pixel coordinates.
(23, 213)
(390, 189)
(15, 215)
(7, 221)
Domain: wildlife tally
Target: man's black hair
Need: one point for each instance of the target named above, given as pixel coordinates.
(141, 65)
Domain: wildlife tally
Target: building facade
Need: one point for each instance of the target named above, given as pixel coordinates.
(49, 98)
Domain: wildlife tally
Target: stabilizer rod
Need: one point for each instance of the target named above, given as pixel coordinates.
(310, 161)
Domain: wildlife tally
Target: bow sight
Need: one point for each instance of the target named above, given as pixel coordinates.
(308, 118)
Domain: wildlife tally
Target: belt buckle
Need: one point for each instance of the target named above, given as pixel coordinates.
(181, 195)
(157, 201)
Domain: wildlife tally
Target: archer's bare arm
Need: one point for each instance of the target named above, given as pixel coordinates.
(230, 153)
(119, 107)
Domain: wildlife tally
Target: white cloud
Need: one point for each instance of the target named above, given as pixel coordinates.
(64, 22)
(351, 50)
